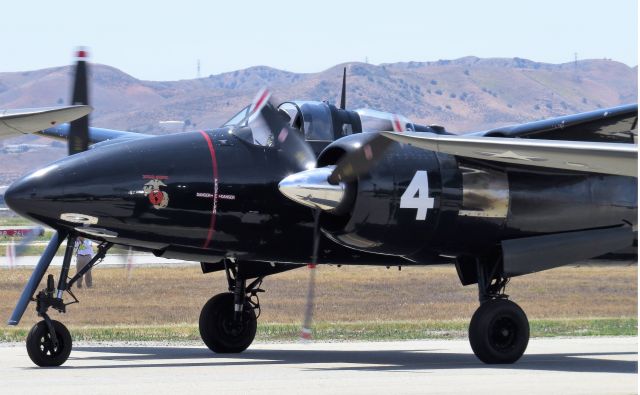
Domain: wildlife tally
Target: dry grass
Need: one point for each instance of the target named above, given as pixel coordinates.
(342, 331)
(174, 295)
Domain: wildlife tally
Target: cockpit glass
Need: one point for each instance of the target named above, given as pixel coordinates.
(311, 118)
(293, 112)
(238, 119)
(317, 121)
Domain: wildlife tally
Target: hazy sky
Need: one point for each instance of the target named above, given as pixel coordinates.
(162, 40)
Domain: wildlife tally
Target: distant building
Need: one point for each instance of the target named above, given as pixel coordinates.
(171, 126)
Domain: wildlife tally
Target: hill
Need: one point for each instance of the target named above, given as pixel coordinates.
(463, 95)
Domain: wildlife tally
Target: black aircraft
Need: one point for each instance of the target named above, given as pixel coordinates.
(281, 186)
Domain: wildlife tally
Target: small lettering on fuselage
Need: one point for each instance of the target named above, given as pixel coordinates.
(210, 196)
(153, 177)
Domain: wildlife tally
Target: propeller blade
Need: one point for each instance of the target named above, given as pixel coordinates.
(15, 250)
(29, 236)
(343, 95)
(306, 332)
(360, 161)
(79, 129)
(293, 146)
(129, 263)
(11, 254)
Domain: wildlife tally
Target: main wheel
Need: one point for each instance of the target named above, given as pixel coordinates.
(40, 346)
(499, 332)
(218, 329)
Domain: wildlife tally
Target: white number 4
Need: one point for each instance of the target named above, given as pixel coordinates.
(417, 195)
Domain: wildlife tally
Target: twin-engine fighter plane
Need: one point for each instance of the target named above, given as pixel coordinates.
(281, 186)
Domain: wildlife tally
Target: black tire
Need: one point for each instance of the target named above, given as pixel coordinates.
(499, 332)
(217, 328)
(40, 347)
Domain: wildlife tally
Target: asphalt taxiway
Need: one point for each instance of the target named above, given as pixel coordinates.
(559, 366)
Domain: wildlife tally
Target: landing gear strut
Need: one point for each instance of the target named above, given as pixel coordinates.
(49, 342)
(228, 321)
(499, 329)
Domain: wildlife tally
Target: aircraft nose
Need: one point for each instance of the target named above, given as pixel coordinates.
(30, 196)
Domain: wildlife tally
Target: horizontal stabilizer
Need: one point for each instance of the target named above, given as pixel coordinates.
(24, 121)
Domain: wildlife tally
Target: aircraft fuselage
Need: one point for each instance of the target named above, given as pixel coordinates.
(209, 195)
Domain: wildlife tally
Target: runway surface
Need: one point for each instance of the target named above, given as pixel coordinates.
(550, 366)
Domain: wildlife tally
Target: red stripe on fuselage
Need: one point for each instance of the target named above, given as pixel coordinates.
(214, 209)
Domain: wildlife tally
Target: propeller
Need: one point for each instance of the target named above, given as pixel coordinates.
(125, 256)
(361, 160)
(263, 114)
(28, 238)
(343, 94)
(283, 136)
(78, 139)
(306, 333)
(15, 250)
(299, 154)
(11, 254)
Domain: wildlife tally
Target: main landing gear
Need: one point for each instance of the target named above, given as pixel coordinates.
(499, 329)
(228, 321)
(49, 342)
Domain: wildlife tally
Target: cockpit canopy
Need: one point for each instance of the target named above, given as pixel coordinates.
(321, 121)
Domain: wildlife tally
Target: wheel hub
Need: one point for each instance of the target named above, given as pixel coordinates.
(503, 333)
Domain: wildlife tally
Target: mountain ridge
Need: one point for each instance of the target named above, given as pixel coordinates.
(463, 94)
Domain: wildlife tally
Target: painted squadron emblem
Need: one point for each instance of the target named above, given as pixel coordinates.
(158, 198)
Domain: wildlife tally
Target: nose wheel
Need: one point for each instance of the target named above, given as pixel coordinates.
(46, 347)
(49, 342)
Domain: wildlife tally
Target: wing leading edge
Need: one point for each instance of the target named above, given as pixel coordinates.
(96, 135)
(608, 125)
(608, 158)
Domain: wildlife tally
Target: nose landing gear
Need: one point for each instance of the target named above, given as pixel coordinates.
(49, 342)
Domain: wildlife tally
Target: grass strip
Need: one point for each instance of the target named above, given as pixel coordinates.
(344, 331)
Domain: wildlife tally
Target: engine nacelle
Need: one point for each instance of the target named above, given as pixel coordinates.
(397, 207)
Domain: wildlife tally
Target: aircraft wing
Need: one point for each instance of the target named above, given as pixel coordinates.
(597, 157)
(25, 121)
(609, 125)
(96, 135)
